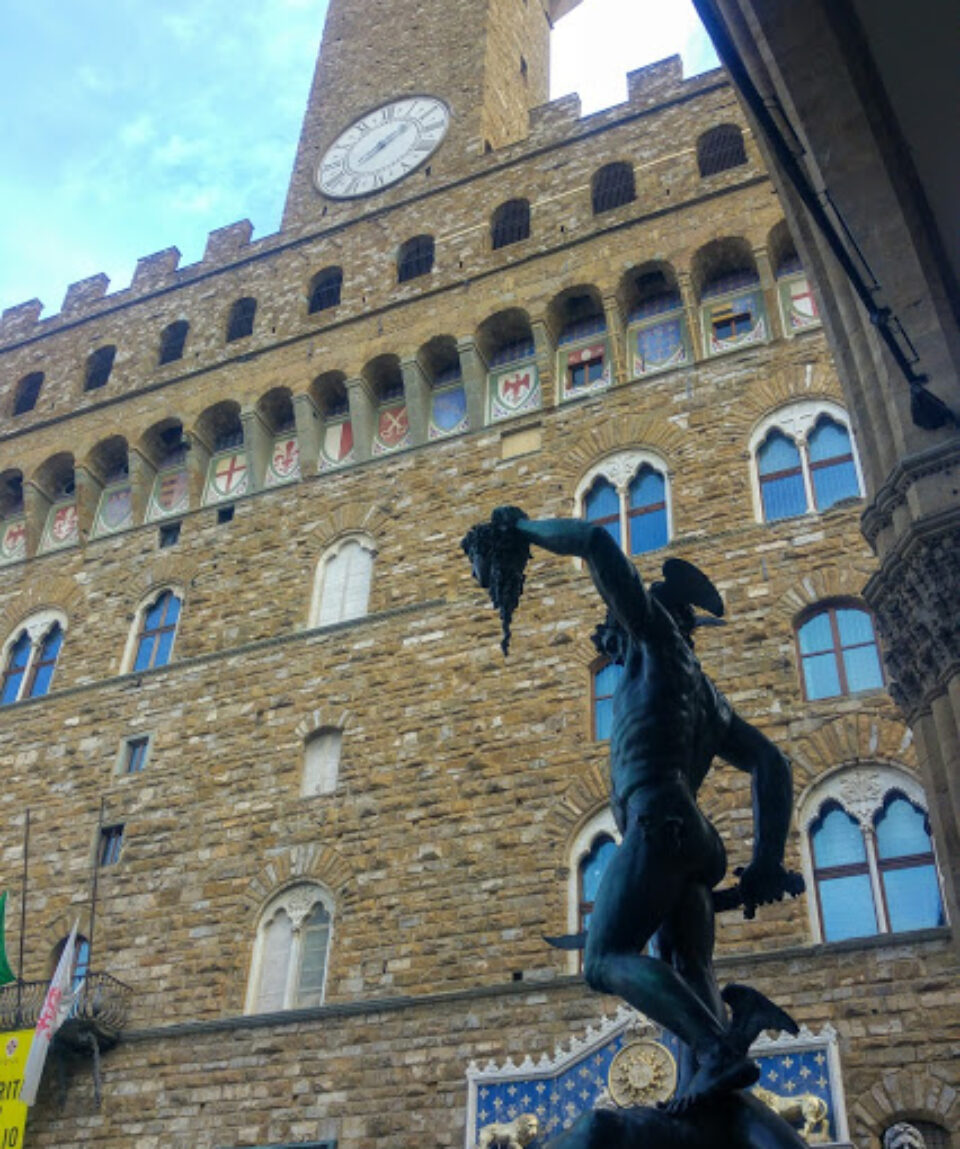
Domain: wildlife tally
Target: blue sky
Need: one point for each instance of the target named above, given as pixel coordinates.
(128, 127)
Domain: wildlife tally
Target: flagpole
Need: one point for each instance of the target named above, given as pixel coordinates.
(93, 891)
(23, 912)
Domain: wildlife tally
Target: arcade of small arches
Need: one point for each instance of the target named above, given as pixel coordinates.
(655, 320)
(731, 295)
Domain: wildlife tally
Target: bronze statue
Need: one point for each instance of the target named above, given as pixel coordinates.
(669, 721)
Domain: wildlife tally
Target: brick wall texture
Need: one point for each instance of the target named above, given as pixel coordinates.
(464, 777)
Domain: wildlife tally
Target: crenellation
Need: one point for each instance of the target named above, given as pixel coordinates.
(663, 80)
(20, 320)
(550, 121)
(83, 294)
(226, 244)
(155, 271)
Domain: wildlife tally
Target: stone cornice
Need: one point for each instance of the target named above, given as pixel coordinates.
(878, 514)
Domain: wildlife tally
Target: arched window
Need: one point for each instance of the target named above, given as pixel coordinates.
(242, 314)
(612, 187)
(172, 341)
(289, 966)
(590, 870)
(627, 494)
(590, 854)
(604, 679)
(510, 223)
(321, 761)
(415, 258)
(156, 630)
(344, 578)
(720, 148)
(657, 333)
(325, 289)
(804, 460)
(869, 854)
(838, 651)
(30, 658)
(27, 393)
(99, 366)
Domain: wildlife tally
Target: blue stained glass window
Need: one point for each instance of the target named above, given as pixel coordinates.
(602, 506)
(837, 840)
(592, 868)
(842, 876)
(846, 904)
(46, 662)
(781, 478)
(831, 464)
(913, 898)
(647, 513)
(838, 652)
(902, 830)
(158, 631)
(907, 868)
(16, 668)
(604, 684)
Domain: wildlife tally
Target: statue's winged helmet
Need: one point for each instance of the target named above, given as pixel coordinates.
(682, 588)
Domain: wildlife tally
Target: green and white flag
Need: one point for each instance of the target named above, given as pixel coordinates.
(6, 973)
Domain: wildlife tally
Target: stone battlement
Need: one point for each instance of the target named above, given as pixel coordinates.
(549, 124)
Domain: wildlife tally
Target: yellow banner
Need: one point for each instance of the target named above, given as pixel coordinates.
(14, 1048)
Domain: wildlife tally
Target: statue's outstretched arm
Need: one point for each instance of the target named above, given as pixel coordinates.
(614, 575)
(765, 879)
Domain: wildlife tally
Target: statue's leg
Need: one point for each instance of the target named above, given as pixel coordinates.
(688, 936)
(644, 885)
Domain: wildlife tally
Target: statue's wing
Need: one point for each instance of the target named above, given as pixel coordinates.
(686, 583)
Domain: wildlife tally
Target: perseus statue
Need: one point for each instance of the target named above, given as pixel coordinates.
(669, 722)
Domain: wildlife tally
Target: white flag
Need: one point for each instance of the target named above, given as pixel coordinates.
(56, 1006)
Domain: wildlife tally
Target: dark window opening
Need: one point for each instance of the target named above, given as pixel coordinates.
(730, 323)
(99, 366)
(325, 291)
(242, 314)
(172, 341)
(169, 534)
(613, 186)
(135, 755)
(336, 402)
(583, 374)
(415, 259)
(28, 391)
(511, 223)
(225, 514)
(719, 149)
(111, 845)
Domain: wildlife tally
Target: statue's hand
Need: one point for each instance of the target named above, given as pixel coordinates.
(765, 882)
(505, 518)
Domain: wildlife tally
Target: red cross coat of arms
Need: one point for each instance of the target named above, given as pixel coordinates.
(230, 475)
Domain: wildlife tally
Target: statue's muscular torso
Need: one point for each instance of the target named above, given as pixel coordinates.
(669, 721)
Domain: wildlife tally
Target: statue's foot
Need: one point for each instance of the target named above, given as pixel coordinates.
(721, 1073)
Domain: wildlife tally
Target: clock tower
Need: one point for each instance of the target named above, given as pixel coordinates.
(415, 86)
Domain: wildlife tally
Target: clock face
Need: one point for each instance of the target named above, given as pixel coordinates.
(382, 147)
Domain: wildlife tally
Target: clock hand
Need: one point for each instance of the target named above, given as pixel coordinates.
(385, 142)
